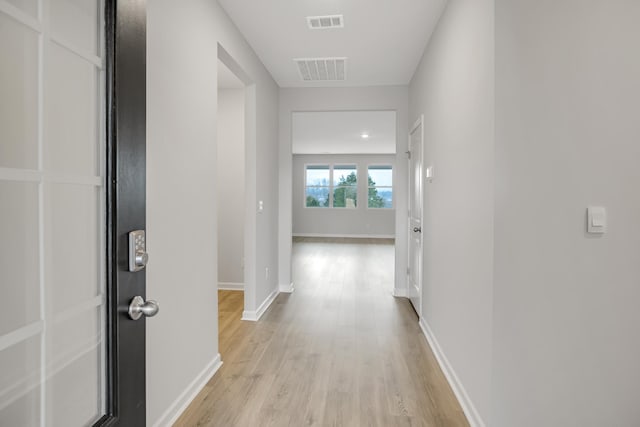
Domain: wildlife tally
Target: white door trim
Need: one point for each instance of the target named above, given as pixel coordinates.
(413, 128)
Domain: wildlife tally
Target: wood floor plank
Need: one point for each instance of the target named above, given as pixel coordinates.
(339, 351)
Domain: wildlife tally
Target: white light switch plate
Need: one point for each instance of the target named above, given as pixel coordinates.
(596, 220)
(429, 174)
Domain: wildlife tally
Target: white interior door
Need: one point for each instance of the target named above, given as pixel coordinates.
(415, 217)
(52, 278)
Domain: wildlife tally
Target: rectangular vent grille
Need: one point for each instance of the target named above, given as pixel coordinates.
(325, 22)
(322, 69)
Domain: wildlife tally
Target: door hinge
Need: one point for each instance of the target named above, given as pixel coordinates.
(408, 270)
(408, 153)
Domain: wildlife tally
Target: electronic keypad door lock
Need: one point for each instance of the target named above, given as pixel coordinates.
(138, 256)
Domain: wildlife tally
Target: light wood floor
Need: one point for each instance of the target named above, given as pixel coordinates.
(339, 351)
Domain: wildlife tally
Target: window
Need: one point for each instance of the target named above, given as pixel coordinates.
(380, 187)
(317, 186)
(328, 186)
(345, 186)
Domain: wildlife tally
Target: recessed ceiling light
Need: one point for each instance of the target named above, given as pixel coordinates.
(364, 135)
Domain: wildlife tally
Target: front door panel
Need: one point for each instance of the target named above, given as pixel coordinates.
(52, 209)
(69, 355)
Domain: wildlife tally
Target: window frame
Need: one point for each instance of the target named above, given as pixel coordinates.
(331, 186)
(304, 188)
(334, 186)
(392, 186)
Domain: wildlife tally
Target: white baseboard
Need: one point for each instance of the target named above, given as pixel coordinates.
(229, 286)
(254, 316)
(347, 236)
(400, 292)
(286, 289)
(176, 409)
(456, 385)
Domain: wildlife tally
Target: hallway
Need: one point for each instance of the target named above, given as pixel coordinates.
(155, 153)
(338, 351)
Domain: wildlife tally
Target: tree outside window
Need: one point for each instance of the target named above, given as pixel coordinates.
(336, 186)
(328, 186)
(345, 186)
(380, 187)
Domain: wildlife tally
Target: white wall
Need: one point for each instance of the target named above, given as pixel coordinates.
(341, 99)
(358, 222)
(231, 181)
(568, 136)
(454, 88)
(181, 191)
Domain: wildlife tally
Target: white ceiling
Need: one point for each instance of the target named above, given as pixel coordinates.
(382, 39)
(226, 79)
(340, 132)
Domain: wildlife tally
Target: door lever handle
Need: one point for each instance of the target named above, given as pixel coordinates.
(139, 307)
(417, 229)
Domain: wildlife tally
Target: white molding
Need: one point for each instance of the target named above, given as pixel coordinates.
(80, 308)
(419, 121)
(71, 355)
(16, 391)
(286, 289)
(456, 385)
(20, 16)
(28, 175)
(32, 175)
(230, 286)
(171, 415)
(27, 384)
(58, 178)
(83, 54)
(254, 316)
(400, 292)
(347, 236)
(21, 334)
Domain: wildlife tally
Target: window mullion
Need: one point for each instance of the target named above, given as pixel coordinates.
(330, 186)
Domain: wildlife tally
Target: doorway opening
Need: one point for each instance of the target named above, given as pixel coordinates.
(235, 193)
(343, 174)
(230, 170)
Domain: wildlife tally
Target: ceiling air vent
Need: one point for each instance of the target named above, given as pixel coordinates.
(322, 69)
(325, 22)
